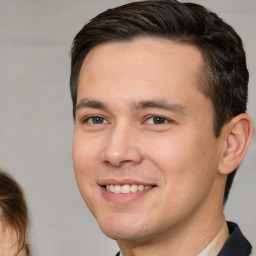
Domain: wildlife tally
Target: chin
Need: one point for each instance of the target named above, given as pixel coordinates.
(125, 234)
(126, 228)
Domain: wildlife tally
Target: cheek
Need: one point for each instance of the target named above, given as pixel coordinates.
(84, 157)
(186, 163)
(173, 153)
(84, 153)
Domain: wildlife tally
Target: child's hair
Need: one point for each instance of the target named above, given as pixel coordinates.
(14, 210)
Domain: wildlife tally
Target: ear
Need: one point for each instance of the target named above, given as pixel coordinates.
(237, 135)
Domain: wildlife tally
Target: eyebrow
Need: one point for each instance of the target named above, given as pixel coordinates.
(160, 104)
(90, 103)
(145, 104)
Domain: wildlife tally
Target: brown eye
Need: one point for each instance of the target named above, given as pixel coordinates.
(157, 120)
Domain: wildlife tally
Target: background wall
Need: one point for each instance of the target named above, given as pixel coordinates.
(36, 120)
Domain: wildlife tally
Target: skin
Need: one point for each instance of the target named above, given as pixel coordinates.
(9, 243)
(153, 127)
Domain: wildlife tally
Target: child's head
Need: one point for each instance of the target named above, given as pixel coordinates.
(13, 218)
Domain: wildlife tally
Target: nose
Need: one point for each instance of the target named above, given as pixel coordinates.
(121, 147)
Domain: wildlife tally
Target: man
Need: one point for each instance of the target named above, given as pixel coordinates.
(159, 92)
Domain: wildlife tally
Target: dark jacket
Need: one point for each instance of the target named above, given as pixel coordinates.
(237, 244)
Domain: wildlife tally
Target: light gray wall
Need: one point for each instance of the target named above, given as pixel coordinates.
(36, 121)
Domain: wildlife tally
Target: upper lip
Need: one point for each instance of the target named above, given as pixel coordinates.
(125, 182)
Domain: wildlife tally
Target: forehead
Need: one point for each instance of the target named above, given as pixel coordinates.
(141, 65)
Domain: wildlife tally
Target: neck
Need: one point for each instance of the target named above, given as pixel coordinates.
(217, 243)
(189, 242)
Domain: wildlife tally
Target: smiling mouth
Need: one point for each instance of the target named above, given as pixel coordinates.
(125, 189)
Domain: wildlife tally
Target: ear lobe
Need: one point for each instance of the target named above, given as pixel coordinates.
(238, 135)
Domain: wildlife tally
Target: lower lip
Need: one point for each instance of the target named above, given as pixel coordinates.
(124, 198)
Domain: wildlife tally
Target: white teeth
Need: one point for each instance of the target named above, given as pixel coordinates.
(126, 189)
(134, 188)
(118, 189)
(140, 187)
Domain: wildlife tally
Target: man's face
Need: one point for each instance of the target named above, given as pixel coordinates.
(145, 132)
